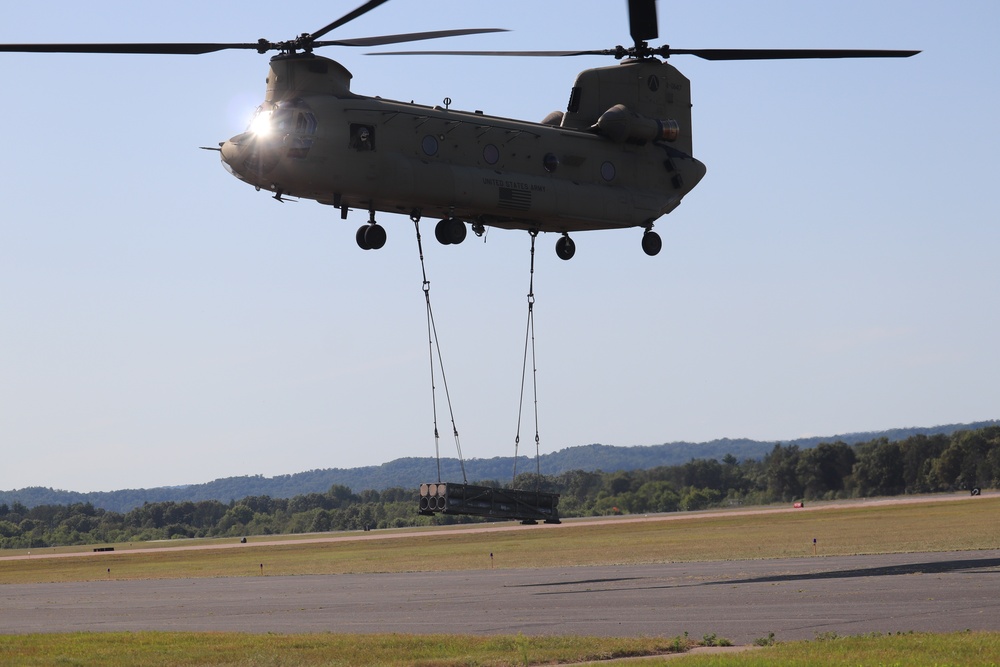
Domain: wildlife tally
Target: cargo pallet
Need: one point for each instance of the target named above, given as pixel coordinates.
(467, 499)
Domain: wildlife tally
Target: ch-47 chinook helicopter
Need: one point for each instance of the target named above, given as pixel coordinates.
(620, 156)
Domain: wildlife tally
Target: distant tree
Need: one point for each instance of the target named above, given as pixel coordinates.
(9, 529)
(703, 473)
(618, 482)
(878, 470)
(655, 497)
(699, 499)
(823, 469)
(781, 467)
(341, 495)
(970, 459)
(578, 490)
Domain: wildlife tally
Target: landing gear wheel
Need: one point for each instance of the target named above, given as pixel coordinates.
(375, 236)
(360, 238)
(651, 243)
(370, 236)
(565, 248)
(457, 230)
(441, 232)
(450, 231)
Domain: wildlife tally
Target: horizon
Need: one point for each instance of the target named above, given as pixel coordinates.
(790, 441)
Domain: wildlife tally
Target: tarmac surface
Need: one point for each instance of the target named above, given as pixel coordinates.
(797, 598)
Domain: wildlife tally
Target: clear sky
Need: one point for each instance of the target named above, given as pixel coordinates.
(162, 323)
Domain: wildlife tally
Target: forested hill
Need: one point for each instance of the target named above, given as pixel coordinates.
(411, 472)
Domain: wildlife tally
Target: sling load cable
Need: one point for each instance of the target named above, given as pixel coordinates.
(435, 344)
(529, 335)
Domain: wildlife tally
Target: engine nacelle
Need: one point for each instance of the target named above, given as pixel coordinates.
(620, 124)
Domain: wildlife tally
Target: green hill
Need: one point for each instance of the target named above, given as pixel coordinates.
(412, 471)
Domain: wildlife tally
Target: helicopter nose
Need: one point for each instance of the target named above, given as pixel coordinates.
(251, 157)
(248, 158)
(232, 153)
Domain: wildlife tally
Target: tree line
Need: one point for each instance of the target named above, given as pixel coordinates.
(410, 471)
(880, 467)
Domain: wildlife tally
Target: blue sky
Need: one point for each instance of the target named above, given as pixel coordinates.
(163, 323)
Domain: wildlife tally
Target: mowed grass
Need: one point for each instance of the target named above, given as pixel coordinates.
(964, 649)
(142, 649)
(180, 649)
(857, 528)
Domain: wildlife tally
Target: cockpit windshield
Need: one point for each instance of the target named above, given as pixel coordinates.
(288, 117)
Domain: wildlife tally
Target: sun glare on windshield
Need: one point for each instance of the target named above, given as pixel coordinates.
(260, 124)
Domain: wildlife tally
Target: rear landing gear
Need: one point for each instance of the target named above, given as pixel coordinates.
(565, 248)
(651, 243)
(450, 231)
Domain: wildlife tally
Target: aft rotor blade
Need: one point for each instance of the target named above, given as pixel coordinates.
(781, 54)
(642, 20)
(149, 48)
(406, 37)
(363, 9)
(666, 52)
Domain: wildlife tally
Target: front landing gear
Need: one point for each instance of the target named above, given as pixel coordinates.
(651, 243)
(565, 248)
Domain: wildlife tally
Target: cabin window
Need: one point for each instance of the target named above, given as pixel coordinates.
(608, 171)
(491, 154)
(550, 162)
(362, 137)
(430, 145)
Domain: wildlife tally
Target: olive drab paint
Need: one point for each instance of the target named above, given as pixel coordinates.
(572, 173)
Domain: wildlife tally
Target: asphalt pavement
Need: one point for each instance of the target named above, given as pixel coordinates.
(798, 598)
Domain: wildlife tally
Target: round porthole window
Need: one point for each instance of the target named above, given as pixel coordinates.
(550, 162)
(491, 154)
(608, 171)
(430, 145)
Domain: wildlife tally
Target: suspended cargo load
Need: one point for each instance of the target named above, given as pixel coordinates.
(467, 499)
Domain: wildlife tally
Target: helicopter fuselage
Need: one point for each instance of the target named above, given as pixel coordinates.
(312, 138)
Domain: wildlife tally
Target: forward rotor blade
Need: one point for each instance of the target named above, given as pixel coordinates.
(406, 37)
(363, 9)
(534, 54)
(150, 48)
(782, 54)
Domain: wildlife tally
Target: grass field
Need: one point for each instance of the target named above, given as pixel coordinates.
(856, 528)
(935, 524)
(155, 649)
(966, 649)
(180, 649)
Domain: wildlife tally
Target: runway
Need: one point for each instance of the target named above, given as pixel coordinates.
(739, 600)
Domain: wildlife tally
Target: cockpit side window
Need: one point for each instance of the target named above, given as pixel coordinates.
(362, 137)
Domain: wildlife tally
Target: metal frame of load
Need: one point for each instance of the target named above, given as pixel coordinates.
(518, 504)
